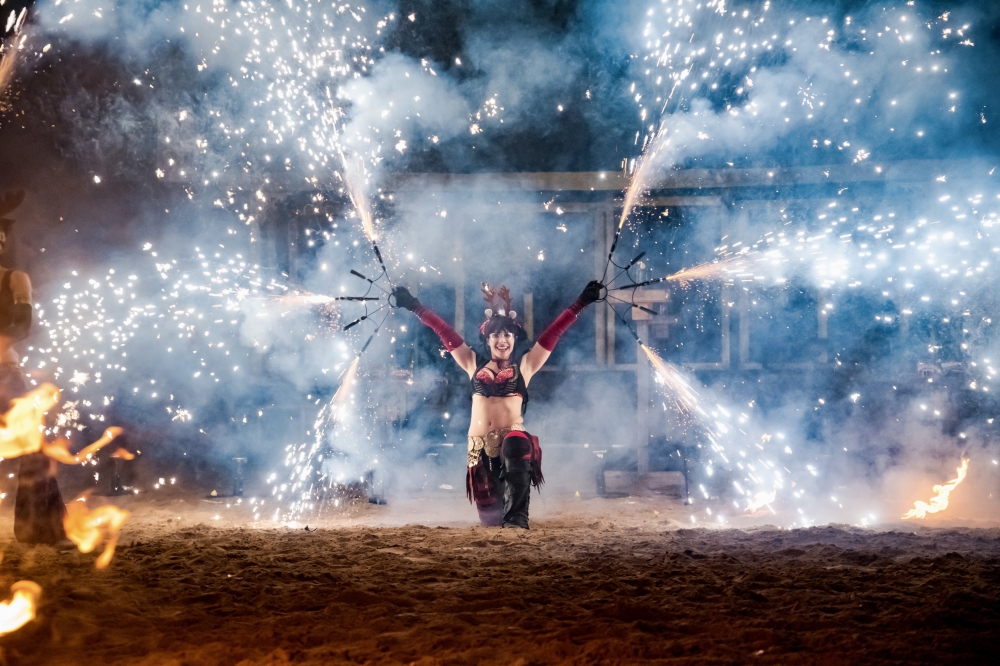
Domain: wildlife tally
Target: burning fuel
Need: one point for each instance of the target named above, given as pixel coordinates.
(88, 528)
(940, 500)
(20, 610)
(22, 430)
(59, 450)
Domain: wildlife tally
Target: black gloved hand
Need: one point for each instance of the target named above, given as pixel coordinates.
(404, 299)
(591, 293)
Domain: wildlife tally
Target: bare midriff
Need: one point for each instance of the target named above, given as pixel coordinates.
(494, 413)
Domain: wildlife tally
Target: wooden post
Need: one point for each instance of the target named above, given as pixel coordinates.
(600, 257)
(642, 372)
(460, 286)
(292, 247)
(609, 313)
(821, 322)
(744, 308)
(529, 315)
(726, 296)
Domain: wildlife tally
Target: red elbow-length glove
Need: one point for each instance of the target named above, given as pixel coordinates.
(550, 336)
(449, 336)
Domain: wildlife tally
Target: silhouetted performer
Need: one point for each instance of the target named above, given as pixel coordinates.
(504, 460)
(38, 506)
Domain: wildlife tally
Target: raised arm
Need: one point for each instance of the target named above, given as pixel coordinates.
(540, 351)
(461, 352)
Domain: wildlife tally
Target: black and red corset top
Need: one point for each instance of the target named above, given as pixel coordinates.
(507, 382)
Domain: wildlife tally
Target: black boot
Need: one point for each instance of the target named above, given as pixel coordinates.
(484, 485)
(517, 477)
(38, 506)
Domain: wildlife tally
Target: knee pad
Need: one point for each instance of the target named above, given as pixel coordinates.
(516, 446)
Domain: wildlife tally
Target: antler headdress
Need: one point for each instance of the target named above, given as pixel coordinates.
(498, 301)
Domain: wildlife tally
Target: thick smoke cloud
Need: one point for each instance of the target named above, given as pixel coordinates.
(246, 100)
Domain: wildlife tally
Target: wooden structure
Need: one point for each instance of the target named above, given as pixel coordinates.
(735, 197)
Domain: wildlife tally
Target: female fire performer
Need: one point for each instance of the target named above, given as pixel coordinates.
(504, 460)
(38, 505)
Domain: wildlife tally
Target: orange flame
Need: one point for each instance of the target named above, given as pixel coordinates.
(124, 454)
(22, 429)
(59, 449)
(940, 501)
(20, 610)
(87, 528)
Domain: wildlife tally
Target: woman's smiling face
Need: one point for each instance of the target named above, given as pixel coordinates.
(501, 344)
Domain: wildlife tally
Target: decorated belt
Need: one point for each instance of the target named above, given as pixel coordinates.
(490, 443)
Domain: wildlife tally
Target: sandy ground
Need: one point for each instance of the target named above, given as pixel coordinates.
(594, 581)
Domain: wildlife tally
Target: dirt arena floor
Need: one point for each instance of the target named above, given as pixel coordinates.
(606, 582)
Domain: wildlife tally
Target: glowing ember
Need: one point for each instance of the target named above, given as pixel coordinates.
(22, 428)
(123, 454)
(88, 528)
(59, 450)
(20, 610)
(940, 501)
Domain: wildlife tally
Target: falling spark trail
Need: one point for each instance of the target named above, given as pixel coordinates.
(940, 501)
(8, 61)
(338, 402)
(334, 414)
(641, 175)
(680, 389)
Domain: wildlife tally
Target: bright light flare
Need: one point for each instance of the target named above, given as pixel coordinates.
(305, 298)
(22, 428)
(20, 610)
(940, 501)
(761, 499)
(88, 528)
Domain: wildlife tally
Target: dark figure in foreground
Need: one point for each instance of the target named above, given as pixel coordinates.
(504, 460)
(38, 506)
